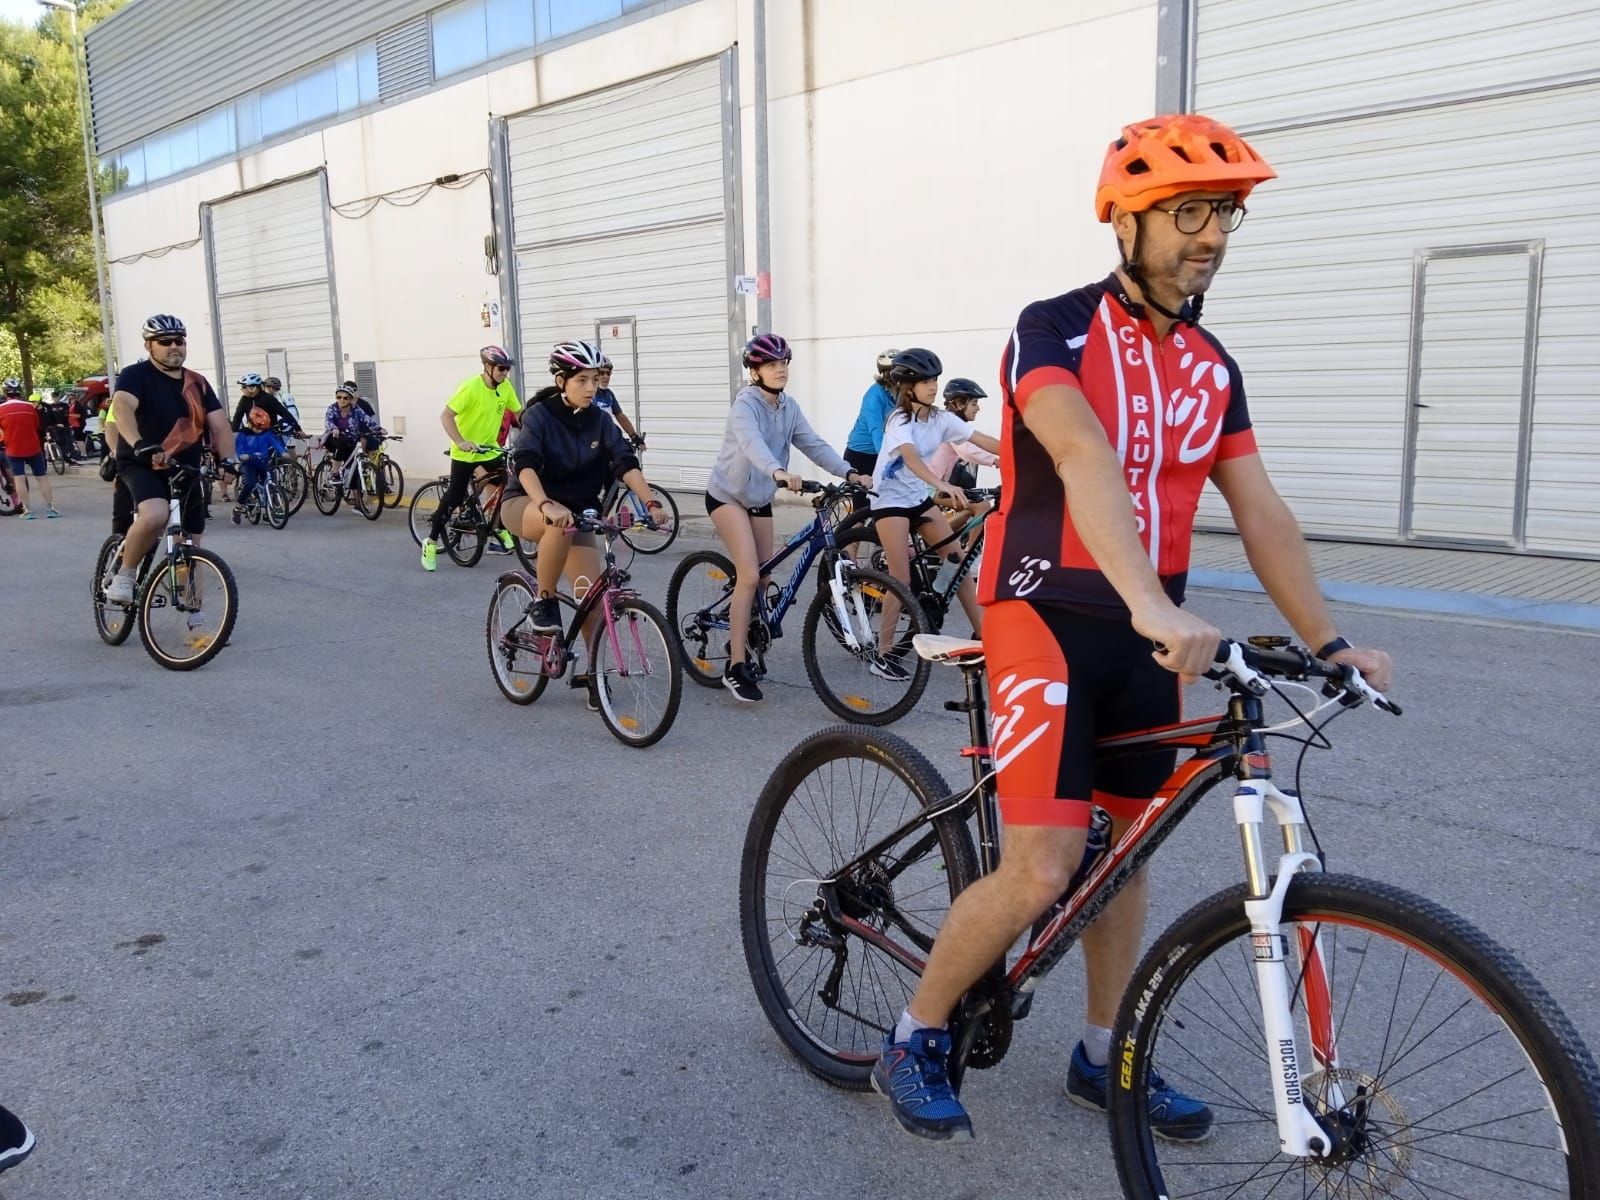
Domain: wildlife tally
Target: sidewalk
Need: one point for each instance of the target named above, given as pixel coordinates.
(1475, 583)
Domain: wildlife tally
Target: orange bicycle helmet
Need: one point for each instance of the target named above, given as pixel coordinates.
(1160, 158)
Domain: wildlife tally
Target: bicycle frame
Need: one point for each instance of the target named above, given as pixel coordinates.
(817, 538)
(603, 595)
(1231, 742)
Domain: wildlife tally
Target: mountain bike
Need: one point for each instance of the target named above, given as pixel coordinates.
(634, 668)
(1351, 1038)
(840, 638)
(268, 498)
(185, 599)
(356, 479)
(475, 527)
(645, 535)
(53, 455)
(936, 589)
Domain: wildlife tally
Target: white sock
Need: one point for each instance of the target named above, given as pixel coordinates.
(907, 1025)
(1096, 1044)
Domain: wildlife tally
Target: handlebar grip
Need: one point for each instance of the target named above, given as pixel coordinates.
(809, 487)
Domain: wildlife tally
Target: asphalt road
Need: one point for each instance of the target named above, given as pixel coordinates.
(331, 918)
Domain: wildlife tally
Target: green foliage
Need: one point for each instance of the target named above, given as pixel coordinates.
(47, 278)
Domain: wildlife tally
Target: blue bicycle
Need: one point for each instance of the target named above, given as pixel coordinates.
(858, 657)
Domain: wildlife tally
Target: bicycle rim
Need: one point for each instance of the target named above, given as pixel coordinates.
(1457, 1074)
(277, 507)
(187, 609)
(394, 483)
(635, 670)
(831, 994)
(368, 501)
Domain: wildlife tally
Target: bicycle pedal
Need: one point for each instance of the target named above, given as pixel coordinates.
(1021, 1005)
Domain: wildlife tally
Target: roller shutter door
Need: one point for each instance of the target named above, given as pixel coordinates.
(1410, 302)
(272, 289)
(618, 210)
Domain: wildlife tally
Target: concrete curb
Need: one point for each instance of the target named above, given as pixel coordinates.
(1469, 604)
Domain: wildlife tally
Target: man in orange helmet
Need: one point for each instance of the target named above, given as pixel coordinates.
(1118, 408)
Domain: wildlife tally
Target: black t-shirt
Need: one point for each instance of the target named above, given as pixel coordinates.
(161, 405)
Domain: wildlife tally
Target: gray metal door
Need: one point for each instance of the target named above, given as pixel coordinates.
(1474, 329)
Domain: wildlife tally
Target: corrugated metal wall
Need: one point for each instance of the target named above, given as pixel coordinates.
(618, 210)
(157, 62)
(1319, 296)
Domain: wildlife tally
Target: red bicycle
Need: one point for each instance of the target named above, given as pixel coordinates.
(1351, 1038)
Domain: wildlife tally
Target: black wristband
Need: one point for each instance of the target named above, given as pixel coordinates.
(1334, 647)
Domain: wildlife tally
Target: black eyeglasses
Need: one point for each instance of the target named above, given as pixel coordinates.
(1192, 215)
(170, 341)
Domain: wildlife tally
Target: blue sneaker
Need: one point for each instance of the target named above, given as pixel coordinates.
(1173, 1116)
(912, 1075)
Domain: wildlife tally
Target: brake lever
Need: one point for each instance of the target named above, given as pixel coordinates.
(1352, 690)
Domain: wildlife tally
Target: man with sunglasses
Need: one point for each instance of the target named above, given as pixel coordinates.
(473, 420)
(1118, 407)
(163, 414)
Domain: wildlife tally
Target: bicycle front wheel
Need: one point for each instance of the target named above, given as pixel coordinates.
(861, 682)
(113, 622)
(641, 537)
(1456, 1074)
(57, 460)
(187, 609)
(424, 502)
(277, 506)
(697, 614)
(464, 534)
(636, 674)
(830, 992)
(326, 491)
(368, 501)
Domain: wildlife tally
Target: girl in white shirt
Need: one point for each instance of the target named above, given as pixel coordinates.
(915, 431)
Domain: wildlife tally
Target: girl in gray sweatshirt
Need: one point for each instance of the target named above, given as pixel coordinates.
(763, 424)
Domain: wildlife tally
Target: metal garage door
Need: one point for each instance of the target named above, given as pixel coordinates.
(271, 264)
(1413, 142)
(622, 206)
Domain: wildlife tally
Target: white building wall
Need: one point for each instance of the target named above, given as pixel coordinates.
(932, 171)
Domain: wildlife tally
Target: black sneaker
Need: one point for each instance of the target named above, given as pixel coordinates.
(913, 1074)
(887, 668)
(16, 1140)
(545, 615)
(738, 680)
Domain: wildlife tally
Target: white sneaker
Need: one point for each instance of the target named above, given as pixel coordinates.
(120, 589)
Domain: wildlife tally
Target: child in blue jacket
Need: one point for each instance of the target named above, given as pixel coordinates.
(255, 446)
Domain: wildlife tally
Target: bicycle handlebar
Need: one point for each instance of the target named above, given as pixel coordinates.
(1246, 668)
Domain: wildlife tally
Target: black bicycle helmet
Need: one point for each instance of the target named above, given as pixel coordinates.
(273, 382)
(910, 366)
(163, 325)
(960, 390)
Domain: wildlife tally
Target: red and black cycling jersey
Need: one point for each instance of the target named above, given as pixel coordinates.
(1171, 408)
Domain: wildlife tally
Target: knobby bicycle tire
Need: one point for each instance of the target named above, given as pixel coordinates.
(295, 483)
(703, 657)
(849, 700)
(512, 596)
(1399, 1110)
(277, 506)
(620, 717)
(806, 824)
(465, 533)
(153, 591)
